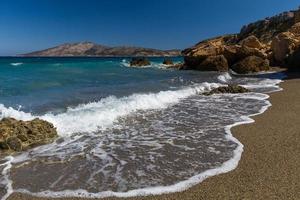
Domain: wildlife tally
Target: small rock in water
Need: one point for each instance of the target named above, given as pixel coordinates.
(168, 61)
(234, 89)
(139, 62)
(17, 135)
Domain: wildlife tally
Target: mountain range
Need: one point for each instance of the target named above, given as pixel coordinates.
(92, 49)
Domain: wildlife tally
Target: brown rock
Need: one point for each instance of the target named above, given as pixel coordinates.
(252, 42)
(234, 89)
(139, 62)
(14, 143)
(205, 52)
(246, 51)
(283, 45)
(168, 62)
(214, 63)
(251, 64)
(295, 29)
(18, 135)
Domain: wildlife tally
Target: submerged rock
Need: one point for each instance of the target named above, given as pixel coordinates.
(234, 89)
(17, 135)
(139, 62)
(168, 61)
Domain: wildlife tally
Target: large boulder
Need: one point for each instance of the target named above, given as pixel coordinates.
(233, 89)
(206, 50)
(283, 45)
(252, 42)
(214, 63)
(251, 64)
(17, 135)
(139, 62)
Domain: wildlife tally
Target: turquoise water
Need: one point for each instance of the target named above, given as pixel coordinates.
(45, 84)
(123, 131)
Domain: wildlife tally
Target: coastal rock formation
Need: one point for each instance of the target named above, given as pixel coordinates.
(274, 41)
(208, 51)
(92, 49)
(252, 42)
(168, 62)
(251, 64)
(234, 89)
(139, 62)
(16, 135)
(213, 63)
(283, 45)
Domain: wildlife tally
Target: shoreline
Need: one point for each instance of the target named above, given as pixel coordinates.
(199, 191)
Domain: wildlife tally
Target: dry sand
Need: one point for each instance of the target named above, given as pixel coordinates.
(270, 164)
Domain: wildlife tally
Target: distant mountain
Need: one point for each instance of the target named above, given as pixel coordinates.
(92, 49)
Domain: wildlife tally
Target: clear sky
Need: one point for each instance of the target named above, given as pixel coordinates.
(27, 25)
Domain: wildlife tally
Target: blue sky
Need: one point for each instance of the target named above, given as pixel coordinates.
(27, 25)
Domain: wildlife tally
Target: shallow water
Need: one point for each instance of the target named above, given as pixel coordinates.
(123, 131)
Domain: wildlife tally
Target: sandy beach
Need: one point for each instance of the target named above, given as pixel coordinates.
(270, 164)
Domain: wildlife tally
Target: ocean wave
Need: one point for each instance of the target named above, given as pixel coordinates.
(102, 114)
(158, 65)
(224, 77)
(16, 64)
(227, 166)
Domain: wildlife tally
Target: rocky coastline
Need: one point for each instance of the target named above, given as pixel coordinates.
(271, 42)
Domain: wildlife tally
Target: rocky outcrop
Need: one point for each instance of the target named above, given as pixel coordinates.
(214, 63)
(233, 89)
(283, 45)
(252, 42)
(274, 41)
(168, 61)
(267, 28)
(16, 135)
(139, 62)
(210, 52)
(251, 64)
(92, 49)
(219, 54)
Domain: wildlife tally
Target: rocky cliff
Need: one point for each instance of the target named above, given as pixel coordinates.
(274, 41)
(92, 49)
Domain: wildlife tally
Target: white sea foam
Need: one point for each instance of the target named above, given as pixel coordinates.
(102, 114)
(16, 64)
(5, 177)
(224, 78)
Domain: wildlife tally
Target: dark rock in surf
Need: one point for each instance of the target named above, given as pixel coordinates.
(17, 135)
(233, 89)
(139, 62)
(168, 61)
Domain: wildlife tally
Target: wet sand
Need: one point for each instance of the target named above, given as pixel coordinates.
(270, 164)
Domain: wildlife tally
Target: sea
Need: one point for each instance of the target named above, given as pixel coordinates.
(124, 131)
